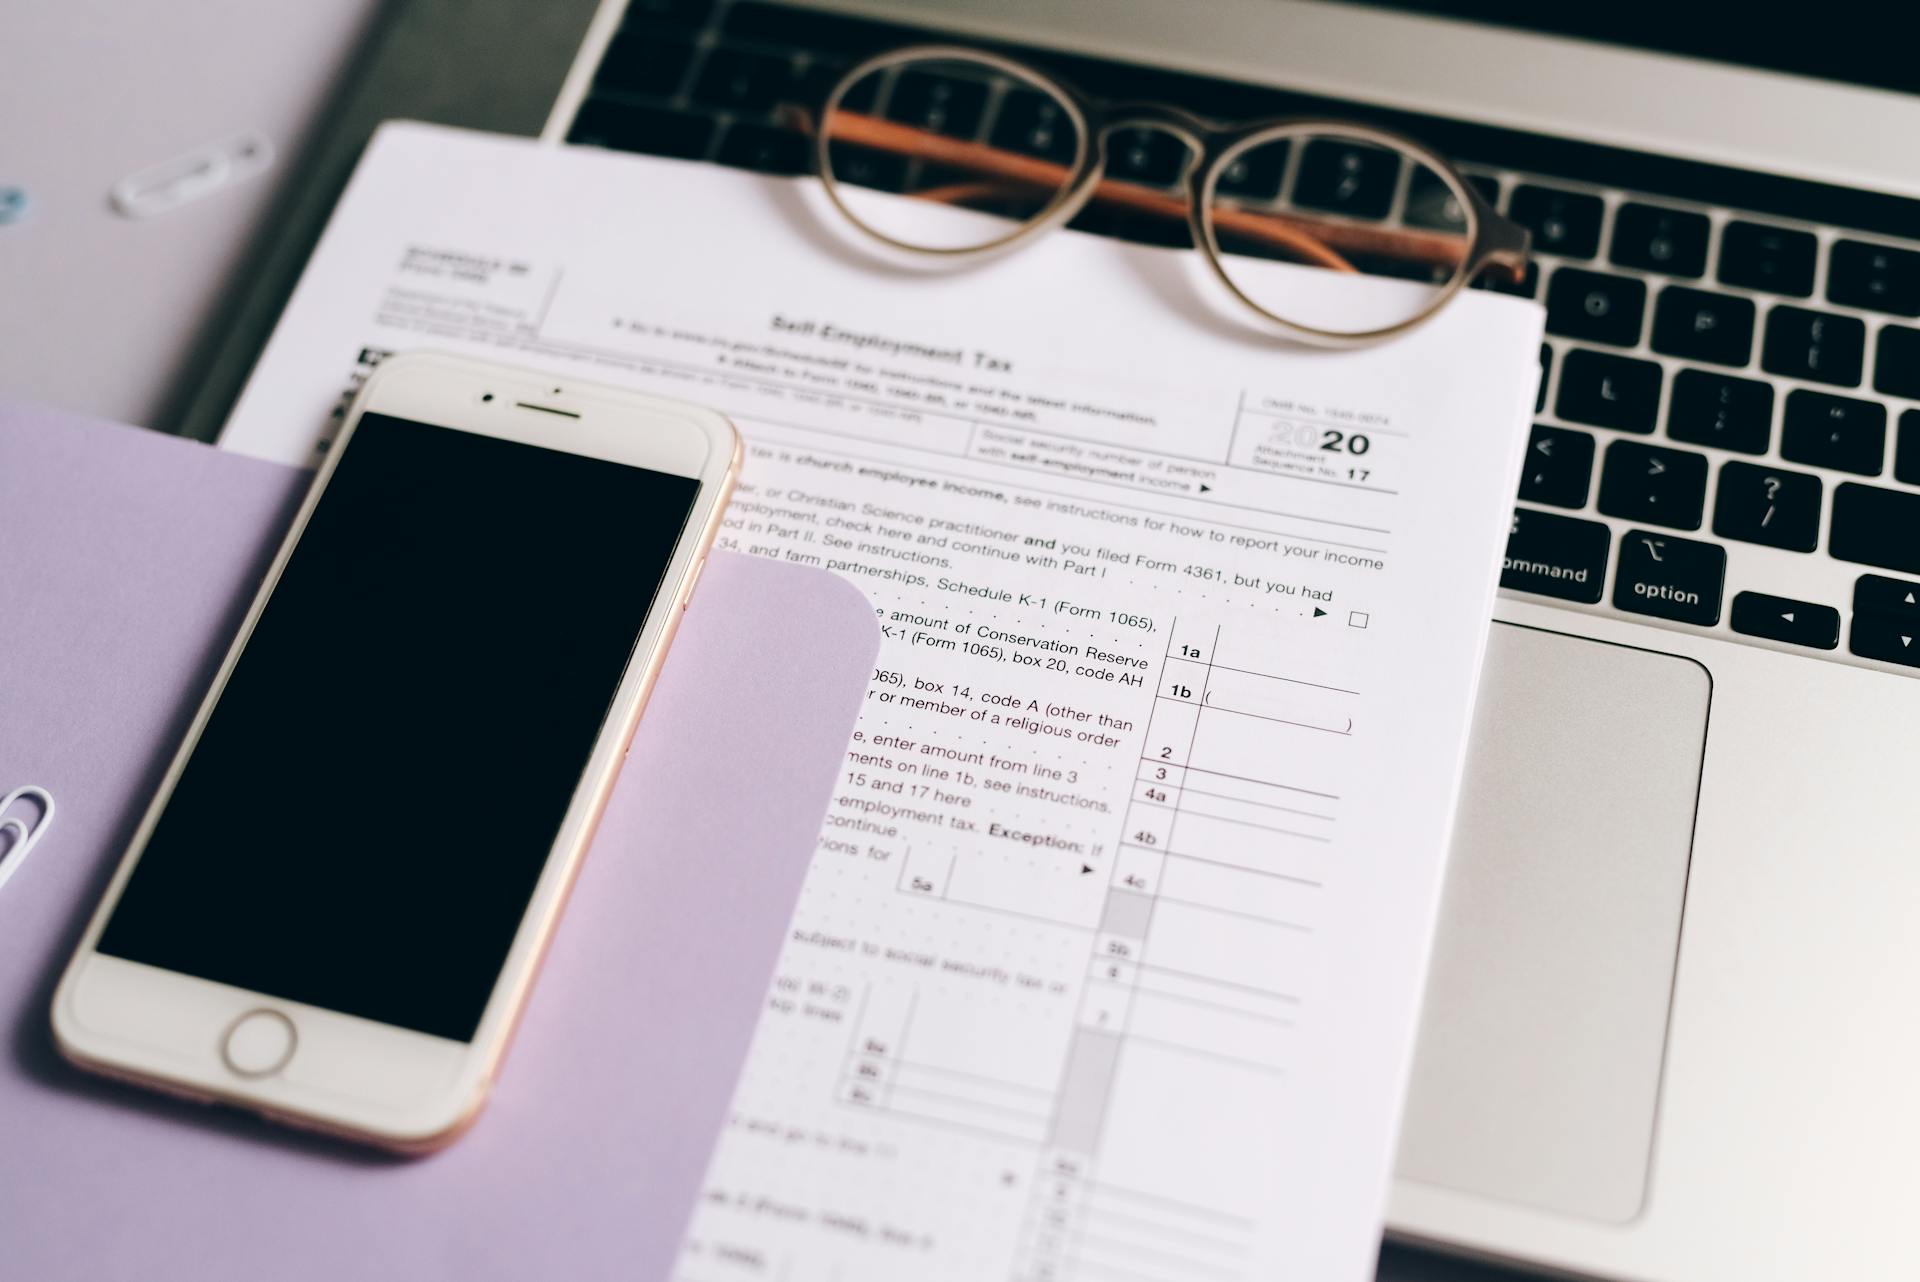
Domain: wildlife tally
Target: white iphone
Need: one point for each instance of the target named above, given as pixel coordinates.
(333, 909)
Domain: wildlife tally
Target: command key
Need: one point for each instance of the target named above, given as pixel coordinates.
(1555, 556)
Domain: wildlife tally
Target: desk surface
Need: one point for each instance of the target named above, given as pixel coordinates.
(104, 311)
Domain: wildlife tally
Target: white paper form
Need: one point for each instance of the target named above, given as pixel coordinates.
(1108, 963)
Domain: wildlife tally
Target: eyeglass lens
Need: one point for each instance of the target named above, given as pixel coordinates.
(989, 150)
(1324, 198)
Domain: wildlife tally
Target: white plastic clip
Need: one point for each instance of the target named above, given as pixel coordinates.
(17, 836)
(172, 183)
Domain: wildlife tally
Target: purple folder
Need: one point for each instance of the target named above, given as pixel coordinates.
(126, 561)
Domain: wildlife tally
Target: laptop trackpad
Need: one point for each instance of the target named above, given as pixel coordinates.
(1538, 1066)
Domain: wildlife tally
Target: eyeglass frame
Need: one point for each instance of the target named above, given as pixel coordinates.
(1493, 239)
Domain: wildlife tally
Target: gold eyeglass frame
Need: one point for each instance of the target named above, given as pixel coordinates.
(1491, 238)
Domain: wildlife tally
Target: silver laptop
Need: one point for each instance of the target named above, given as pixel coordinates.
(1671, 1032)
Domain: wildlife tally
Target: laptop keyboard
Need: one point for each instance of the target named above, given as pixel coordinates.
(1728, 418)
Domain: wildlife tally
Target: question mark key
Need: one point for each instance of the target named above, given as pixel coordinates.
(1768, 505)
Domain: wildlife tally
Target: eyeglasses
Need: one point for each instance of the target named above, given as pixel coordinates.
(1008, 152)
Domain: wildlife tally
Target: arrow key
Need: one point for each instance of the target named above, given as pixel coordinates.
(1779, 618)
(1558, 467)
(1886, 637)
(1895, 598)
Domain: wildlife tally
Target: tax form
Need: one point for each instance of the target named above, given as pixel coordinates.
(1108, 961)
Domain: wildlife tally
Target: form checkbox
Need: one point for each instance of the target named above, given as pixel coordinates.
(1357, 618)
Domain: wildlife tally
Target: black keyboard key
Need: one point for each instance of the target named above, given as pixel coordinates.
(685, 13)
(1703, 326)
(1562, 222)
(740, 81)
(1431, 202)
(1558, 467)
(867, 166)
(1883, 637)
(1896, 362)
(1768, 505)
(1654, 239)
(811, 84)
(1035, 124)
(1255, 174)
(1906, 449)
(1877, 277)
(1873, 526)
(939, 104)
(1555, 556)
(1346, 177)
(639, 63)
(766, 149)
(1670, 578)
(1650, 483)
(1894, 597)
(1779, 618)
(1716, 409)
(1775, 259)
(652, 130)
(1834, 431)
(1608, 391)
(1596, 307)
(1816, 346)
(1150, 157)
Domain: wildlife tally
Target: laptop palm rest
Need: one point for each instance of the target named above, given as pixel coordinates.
(1538, 1066)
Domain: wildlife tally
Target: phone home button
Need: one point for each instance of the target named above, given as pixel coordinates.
(259, 1043)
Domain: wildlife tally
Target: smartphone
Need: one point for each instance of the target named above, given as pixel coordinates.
(333, 909)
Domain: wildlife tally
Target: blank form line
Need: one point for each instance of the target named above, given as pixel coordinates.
(1161, 805)
(1274, 993)
(1199, 1212)
(1283, 721)
(1221, 774)
(1135, 1222)
(1225, 796)
(1248, 823)
(1242, 913)
(1274, 676)
(963, 1102)
(1082, 1238)
(1181, 1048)
(1142, 991)
(1041, 1091)
(1097, 1266)
(1222, 863)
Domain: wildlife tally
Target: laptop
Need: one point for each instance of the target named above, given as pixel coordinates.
(1670, 1031)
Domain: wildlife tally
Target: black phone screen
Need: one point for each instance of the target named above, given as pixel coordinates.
(363, 821)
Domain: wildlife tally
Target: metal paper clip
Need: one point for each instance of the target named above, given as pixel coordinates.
(202, 171)
(17, 836)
